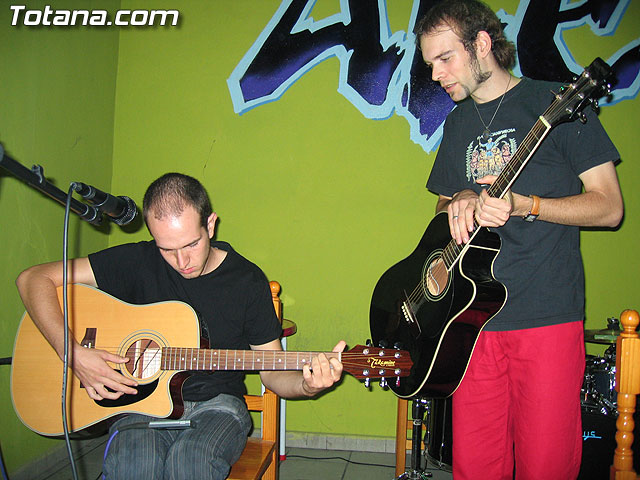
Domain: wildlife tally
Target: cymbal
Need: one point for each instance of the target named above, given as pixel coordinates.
(604, 336)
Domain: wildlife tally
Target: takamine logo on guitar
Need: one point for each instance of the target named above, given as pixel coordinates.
(376, 362)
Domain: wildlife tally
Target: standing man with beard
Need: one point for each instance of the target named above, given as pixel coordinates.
(518, 406)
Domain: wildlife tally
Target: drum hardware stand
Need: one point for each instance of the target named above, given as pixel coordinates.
(600, 402)
(418, 408)
(610, 356)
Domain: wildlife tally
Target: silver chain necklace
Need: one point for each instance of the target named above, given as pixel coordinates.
(487, 133)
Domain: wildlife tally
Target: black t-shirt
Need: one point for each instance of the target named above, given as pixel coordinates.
(539, 262)
(233, 303)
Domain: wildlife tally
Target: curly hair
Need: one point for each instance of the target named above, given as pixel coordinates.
(171, 193)
(467, 18)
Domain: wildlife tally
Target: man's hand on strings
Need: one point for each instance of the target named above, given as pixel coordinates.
(490, 211)
(461, 209)
(95, 374)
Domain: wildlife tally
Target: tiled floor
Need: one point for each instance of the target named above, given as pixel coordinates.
(300, 464)
(307, 464)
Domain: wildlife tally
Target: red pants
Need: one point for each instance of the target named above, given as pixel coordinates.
(519, 402)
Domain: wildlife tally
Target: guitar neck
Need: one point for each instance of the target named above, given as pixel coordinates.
(173, 358)
(567, 106)
(505, 180)
(522, 155)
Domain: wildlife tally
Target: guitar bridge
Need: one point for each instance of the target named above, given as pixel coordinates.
(409, 317)
(89, 340)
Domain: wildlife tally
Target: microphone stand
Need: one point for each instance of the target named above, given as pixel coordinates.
(418, 408)
(35, 178)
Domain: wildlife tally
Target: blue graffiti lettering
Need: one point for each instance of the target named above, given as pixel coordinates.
(382, 73)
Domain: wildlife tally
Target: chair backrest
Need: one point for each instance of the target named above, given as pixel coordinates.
(260, 456)
(627, 386)
(404, 435)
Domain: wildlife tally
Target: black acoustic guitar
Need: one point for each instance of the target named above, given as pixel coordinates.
(435, 302)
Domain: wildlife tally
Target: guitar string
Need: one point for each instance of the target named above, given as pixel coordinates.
(402, 362)
(498, 188)
(575, 90)
(144, 351)
(452, 251)
(191, 353)
(501, 183)
(579, 89)
(116, 349)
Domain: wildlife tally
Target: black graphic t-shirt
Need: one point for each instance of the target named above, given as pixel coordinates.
(539, 262)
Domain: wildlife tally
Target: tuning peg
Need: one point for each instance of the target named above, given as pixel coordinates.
(383, 382)
(582, 117)
(367, 380)
(397, 345)
(383, 344)
(368, 343)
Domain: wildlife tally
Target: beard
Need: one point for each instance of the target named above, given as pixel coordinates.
(478, 75)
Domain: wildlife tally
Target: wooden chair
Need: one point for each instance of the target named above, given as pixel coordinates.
(627, 386)
(260, 456)
(404, 432)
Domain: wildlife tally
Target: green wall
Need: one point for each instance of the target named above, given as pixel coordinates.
(321, 198)
(57, 89)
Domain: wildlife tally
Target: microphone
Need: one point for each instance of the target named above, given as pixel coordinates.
(120, 210)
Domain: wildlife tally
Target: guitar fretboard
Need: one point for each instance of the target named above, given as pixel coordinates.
(507, 177)
(174, 358)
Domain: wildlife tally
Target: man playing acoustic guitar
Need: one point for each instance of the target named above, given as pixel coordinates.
(518, 405)
(233, 301)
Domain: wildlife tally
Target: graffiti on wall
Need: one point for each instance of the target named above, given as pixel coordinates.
(382, 74)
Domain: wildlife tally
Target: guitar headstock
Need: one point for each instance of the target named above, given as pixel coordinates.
(364, 362)
(585, 90)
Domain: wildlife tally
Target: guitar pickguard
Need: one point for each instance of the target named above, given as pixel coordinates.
(144, 391)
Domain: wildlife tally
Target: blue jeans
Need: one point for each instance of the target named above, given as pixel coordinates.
(206, 451)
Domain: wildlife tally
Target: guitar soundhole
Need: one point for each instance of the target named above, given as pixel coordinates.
(144, 357)
(436, 276)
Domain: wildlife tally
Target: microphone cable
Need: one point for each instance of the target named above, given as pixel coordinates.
(65, 310)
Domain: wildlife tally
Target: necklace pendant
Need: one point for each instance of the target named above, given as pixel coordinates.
(486, 134)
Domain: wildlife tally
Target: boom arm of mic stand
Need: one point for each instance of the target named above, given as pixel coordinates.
(35, 178)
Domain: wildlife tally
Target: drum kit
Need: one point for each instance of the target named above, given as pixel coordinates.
(598, 394)
(598, 400)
